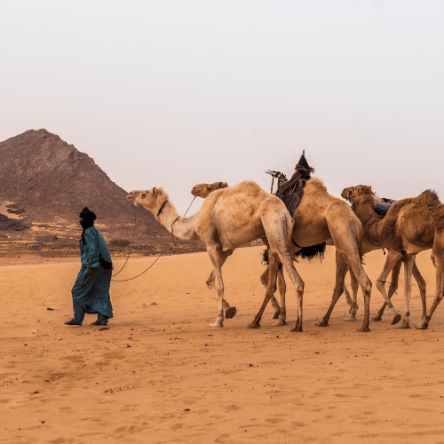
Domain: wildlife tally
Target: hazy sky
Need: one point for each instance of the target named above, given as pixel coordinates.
(174, 93)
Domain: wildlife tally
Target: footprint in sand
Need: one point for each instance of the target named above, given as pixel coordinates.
(222, 438)
(62, 441)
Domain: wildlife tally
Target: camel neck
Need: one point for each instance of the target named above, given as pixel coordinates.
(182, 227)
(365, 210)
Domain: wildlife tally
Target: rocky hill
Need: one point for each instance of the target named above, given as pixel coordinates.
(51, 180)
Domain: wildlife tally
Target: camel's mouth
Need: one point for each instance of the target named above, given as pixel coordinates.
(131, 198)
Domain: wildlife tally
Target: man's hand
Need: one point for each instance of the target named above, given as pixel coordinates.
(89, 272)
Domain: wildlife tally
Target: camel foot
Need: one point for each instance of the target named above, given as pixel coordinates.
(231, 313)
(364, 329)
(424, 324)
(254, 325)
(396, 319)
(405, 326)
(351, 319)
(322, 324)
(216, 325)
(377, 318)
(297, 329)
(279, 323)
(353, 308)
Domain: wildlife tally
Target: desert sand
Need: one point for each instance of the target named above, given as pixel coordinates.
(159, 374)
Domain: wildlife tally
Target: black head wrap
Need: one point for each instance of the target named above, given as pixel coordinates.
(88, 217)
(303, 167)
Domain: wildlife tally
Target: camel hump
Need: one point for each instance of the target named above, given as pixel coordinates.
(204, 189)
(428, 198)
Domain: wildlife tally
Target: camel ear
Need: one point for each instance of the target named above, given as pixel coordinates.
(358, 190)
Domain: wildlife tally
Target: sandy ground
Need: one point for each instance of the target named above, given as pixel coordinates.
(159, 374)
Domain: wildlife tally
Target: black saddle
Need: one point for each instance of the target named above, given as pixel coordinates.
(382, 208)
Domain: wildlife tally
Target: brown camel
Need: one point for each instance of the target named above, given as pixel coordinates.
(408, 228)
(371, 241)
(227, 219)
(321, 217)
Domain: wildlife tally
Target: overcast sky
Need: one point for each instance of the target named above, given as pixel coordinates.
(174, 93)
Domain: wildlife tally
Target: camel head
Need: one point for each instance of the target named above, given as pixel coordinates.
(204, 189)
(359, 194)
(151, 200)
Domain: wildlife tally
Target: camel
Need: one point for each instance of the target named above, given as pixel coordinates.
(408, 228)
(321, 217)
(371, 241)
(204, 189)
(228, 218)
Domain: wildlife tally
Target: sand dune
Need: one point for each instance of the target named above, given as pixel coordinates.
(159, 374)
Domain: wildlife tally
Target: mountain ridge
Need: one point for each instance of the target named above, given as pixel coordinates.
(53, 180)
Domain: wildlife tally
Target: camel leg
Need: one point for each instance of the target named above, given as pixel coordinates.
(366, 288)
(230, 312)
(274, 302)
(422, 287)
(298, 283)
(271, 288)
(348, 298)
(277, 234)
(347, 293)
(408, 266)
(439, 293)
(354, 305)
(392, 290)
(341, 269)
(282, 290)
(392, 258)
(346, 242)
(218, 258)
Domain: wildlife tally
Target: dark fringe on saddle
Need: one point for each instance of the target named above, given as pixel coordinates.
(313, 252)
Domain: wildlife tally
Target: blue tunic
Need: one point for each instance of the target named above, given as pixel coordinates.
(92, 293)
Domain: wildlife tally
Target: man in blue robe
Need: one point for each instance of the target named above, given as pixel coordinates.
(90, 293)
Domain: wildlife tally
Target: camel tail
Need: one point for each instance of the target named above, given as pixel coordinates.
(290, 225)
